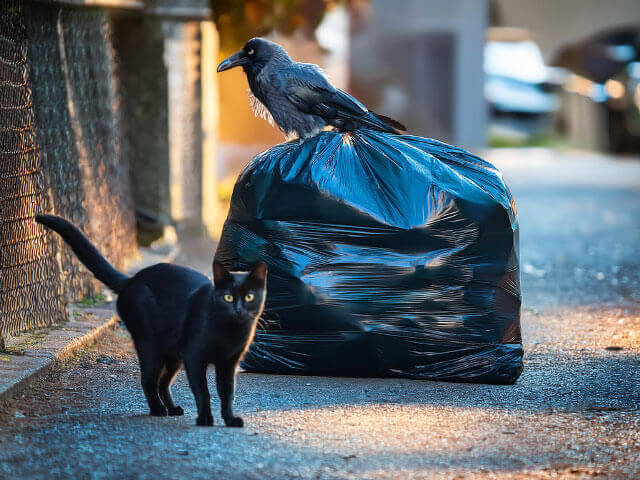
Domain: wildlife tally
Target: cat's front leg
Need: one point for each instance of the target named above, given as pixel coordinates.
(197, 375)
(225, 382)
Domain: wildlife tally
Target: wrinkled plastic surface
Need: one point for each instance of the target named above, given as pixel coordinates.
(389, 255)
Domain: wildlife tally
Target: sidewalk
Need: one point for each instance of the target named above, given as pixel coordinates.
(31, 355)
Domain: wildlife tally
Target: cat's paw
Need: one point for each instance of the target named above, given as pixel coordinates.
(235, 422)
(205, 420)
(175, 411)
(159, 412)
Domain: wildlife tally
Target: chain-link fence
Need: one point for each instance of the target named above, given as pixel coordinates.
(60, 151)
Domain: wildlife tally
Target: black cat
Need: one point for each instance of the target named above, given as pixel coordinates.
(176, 317)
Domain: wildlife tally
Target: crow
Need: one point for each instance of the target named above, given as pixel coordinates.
(298, 96)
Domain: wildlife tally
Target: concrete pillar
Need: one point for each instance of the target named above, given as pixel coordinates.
(171, 122)
(182, 60)
(144, 85)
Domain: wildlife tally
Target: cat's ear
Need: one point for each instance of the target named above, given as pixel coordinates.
(221, 275)
(259, 272)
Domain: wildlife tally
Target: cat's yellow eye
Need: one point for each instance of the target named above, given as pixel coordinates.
(249, 297)
(228, 297)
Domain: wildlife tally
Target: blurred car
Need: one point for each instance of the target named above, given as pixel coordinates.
(609, 64)
(519, 87)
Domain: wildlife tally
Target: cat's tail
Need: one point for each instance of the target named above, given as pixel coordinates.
(85, 251)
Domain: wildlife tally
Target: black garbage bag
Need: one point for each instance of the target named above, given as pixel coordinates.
(389, 255)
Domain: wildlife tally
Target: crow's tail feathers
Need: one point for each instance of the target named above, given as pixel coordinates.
(391, 122)
(85, 251)
(381, 123)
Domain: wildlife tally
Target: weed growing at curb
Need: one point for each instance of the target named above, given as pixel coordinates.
(92, 300)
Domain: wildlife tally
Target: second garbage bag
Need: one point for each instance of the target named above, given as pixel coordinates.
(388, 255)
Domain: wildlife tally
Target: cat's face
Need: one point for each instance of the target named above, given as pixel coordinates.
(240, 295)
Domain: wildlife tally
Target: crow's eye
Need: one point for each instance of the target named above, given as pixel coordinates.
(228, 298)
(249, 297)
(251, 52)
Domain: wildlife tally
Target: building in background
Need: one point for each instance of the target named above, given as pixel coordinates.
(420, 61)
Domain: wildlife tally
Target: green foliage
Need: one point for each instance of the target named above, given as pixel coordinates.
(542, 140)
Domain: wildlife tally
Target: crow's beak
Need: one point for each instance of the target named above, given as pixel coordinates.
(235, 60)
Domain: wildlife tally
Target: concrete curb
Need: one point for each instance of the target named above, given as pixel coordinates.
(18, 371)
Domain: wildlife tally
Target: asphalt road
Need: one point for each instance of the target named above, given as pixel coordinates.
(574, 413)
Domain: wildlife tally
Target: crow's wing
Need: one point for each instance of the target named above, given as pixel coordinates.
(306, 86)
